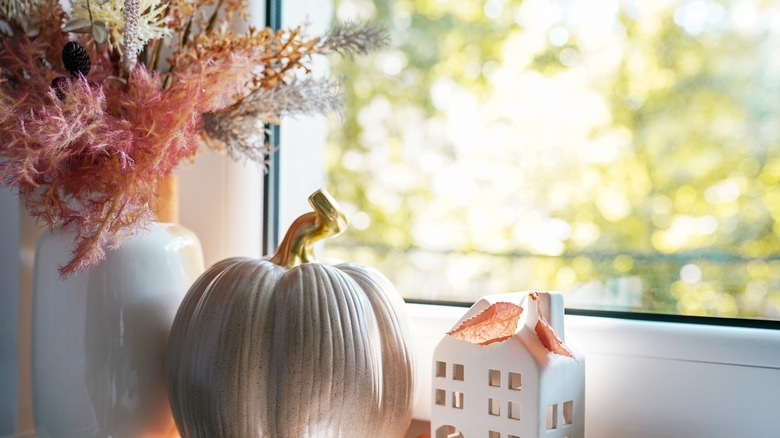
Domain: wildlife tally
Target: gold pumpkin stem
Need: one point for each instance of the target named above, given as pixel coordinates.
(327, 220)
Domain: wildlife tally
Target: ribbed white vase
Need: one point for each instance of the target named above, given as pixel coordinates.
(99, 336)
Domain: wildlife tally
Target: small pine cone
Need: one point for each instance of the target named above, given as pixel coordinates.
(57, 84)
(75, 58)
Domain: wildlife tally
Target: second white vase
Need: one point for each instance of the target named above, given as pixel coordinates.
(99, 336)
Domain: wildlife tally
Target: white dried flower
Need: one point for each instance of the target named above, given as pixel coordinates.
(21, 13)
(15, 9)
(152, 20)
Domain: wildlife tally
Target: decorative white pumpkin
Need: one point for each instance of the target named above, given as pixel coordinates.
(287, 347)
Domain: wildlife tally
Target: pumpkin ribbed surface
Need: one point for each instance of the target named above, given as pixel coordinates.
(258, 350)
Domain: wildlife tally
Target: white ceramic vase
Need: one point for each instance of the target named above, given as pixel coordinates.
(99, 336)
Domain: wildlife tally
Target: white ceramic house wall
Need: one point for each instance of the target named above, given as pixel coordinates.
(515, 388)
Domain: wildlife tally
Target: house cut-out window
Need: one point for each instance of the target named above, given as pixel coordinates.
(494, 407)
(515, 436)
(457, 400)
(448, 432)
(457, 371)
(441, 396)
(494, 434)
(441, 369)
(515, 381)
(494, 378)
(552, 417)
(514, 410)
(568, 412)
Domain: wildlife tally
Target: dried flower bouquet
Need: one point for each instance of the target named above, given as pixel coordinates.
(90, 121)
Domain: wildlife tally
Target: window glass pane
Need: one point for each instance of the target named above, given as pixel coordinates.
(625, 152)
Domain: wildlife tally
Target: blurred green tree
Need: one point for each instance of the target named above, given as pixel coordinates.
(625, 152)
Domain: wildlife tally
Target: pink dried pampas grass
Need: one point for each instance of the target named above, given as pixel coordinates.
(89, 131)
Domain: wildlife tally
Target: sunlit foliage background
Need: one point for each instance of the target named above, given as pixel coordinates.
(626, 152)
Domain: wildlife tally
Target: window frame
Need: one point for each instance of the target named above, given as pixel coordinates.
(617, 345)
(272, 214)
(271, 180)
(640, 316)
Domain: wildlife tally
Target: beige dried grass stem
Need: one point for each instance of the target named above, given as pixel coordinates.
(132, 14)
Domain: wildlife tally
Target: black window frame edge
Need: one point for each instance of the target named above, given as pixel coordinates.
(271, 205)
(271, 193)
(641, 316)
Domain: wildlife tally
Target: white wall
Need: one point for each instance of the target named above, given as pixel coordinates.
(221, 201)
(9, 304)
(303, 138)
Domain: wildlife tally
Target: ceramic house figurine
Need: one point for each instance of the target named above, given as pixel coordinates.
(504, 371)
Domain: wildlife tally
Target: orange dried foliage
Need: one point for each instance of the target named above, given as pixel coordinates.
(494, 324)
(546, 334)
(499, 322)
(273, 53)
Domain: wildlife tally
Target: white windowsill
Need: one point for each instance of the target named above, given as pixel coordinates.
(651, 379)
